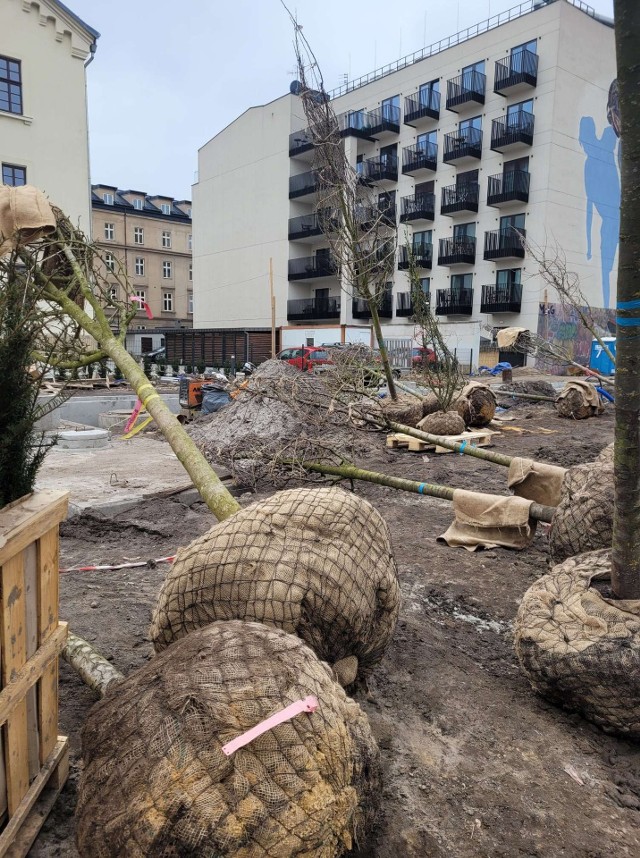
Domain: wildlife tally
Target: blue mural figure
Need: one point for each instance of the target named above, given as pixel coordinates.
(602, 186)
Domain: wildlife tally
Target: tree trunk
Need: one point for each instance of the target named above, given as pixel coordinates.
(94, 669)
(625, 577)
(384, 354)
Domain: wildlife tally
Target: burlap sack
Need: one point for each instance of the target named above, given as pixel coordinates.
(579, 649)
(430, 404)
(316, 562)
(606, 455)
(156, 782)
(405, 409)
(25, 213)
(583, 520)
(442, 423)
(536, 481)
(578, 400)
(489, 521)
(507, 338)
(476, 404)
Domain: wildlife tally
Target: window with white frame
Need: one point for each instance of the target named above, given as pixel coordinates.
(190, 272)
(113, 293)
(138, 235)
(189, 212)
(166, 238)
(107, 199)
(190, 242)
(142, 294)
(167, 302)
(110, 262)
(166, 270)
(189, 302)
(138, 204)
(109, 231)
(165, 208)
(139, 267)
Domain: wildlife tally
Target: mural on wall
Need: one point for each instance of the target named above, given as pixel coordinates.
(602, 186)
(560, 324)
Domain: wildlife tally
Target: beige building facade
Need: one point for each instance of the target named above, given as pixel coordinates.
(147, 241)
(44, 51)
(505, 130)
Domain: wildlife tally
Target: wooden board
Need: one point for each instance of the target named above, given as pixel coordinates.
(29, 519)
(415, 445)
(479, 438)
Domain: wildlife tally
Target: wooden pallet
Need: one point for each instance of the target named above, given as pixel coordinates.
(477, 438)
(415, 445)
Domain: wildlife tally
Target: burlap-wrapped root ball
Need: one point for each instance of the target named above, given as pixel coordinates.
(574, 406)
(583, 520)
(476, 405)
(442, 423)
(405, 409)
(580, 649)
(430, 404)
(606, 454)
(316, 562)
(156, 782)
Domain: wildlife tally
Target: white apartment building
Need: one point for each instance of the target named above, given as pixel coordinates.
(44, 51)
(507, 128)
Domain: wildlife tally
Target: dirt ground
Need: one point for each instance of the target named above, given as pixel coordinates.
(475, 763)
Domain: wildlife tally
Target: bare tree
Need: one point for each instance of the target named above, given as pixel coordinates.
(626, 520)
(359, 224)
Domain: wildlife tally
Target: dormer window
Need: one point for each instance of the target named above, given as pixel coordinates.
(138, 204)
(165, 208)
(107, 199)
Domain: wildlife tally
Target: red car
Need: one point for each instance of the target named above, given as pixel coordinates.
(422, 355)
(305, 358)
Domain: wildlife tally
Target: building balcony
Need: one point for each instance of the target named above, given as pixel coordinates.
(300, 142)
(308, 267)
(504, 243)
(386, 120)
(380, 170)
(419, 207)
(501, 299)
(357, 123)
(461, 197)
(516, 73)
(304, 227)
(508, 188)
(515, 129)
(313, 309)
(466, 89)
(422, 256)
(419, 159)
(383, 213)
(462, 146)
(457, 251)
(360, 308)
(454, 302)
(303, 184)
(404, 304)
(419, 108)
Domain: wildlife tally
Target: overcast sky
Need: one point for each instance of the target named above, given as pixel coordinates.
(168, 76)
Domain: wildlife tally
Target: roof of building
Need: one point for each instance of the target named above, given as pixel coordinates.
(94, 33)
(149, 207)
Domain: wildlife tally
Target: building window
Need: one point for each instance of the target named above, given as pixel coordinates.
(142, 294)
(428, 94)
(110, 262)
(189, 242)
(166, 270)
(138, 235)
(165, 208)
(113, 293)
(109, 231)
(189, 302)
(13, 175)
(167, 302)
(425, 285)
(189, 212)
(166, 238)
(391, 109)
(138, 204)
(139, 268)
(10, 85)
(527, 46)
(421, 242)
(190, 272)
(107, 199)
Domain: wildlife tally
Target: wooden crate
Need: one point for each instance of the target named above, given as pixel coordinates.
(34, 760)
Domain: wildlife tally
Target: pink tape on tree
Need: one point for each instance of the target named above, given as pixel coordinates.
(309, 704)
(143, 304)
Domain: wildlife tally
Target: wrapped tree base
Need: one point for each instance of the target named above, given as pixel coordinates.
(430, 404)
(157, 783)
(406, 409)
(580, 649)
(583, 520)
(442, 423)
(476, 405)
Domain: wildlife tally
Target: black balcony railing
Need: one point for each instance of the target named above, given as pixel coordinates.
(422, 255)
(303, 184)
(421, 157)
(384, 212)
(383, 169)
(497, 298)
(418, 207)
(308, 309)
(467, 87)
(299, 142)
(360, 308)
(304, 226)
(519, 69)
(461, 197)
(454, 302)
(513, 129)
(358, 123)
(404, 304)
(385, 118)
(504, 243)
(466, 143)
(457, 251)
(508, 187)
(421, 105)
(306, 267)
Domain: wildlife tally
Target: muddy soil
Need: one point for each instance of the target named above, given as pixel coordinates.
(475, 763)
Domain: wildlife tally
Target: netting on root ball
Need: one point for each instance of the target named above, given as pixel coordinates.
(580, 649)
(583, 520)
(430, 404)
(405, 409)
(442, 423)
(606, 455)
(316, 562)
(476, 405)
(156, 782)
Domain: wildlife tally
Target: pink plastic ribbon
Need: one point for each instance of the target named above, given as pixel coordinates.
(133, 418)
(143, 304)
(309, 704)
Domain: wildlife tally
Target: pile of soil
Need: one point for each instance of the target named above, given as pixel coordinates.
(283, 416)
(537, 388)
